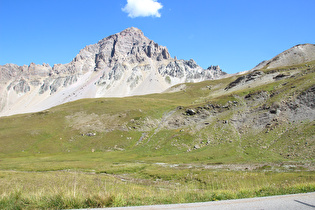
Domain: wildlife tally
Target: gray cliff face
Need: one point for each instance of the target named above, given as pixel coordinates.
(129, 46)
(123, 64)
(190, 70)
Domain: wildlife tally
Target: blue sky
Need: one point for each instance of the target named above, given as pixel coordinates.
(235, 34)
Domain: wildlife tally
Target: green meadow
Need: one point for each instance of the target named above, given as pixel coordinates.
(146, 150)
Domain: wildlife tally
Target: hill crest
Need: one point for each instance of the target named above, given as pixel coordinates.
(298, 54)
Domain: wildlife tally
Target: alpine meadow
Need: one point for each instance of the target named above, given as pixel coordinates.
(125, 124)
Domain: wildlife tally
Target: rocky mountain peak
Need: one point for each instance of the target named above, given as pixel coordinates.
(132, 31)
(129, 46)
(123, 64)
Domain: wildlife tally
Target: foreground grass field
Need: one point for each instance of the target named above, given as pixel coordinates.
(208, 141)
(145, 186)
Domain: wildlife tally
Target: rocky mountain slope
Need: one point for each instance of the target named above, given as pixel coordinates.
(296, 55)
(123, 64)
(262, 116)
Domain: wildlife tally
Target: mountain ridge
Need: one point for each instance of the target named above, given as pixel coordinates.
(297, 54)
(124, 64)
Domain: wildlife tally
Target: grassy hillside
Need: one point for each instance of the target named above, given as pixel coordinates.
(260, 124)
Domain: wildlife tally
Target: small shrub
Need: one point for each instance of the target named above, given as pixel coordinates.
(168, 79)
(55, 202)
(99, 201)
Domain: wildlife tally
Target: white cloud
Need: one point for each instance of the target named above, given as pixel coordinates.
(142, 8)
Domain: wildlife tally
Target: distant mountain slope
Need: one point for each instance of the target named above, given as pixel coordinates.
(123, 64)
(262, 116)
(296, 55)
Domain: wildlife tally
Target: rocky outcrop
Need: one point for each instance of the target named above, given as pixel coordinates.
(245, 79)
(123, 64)
(190, 70)
(307, 97)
